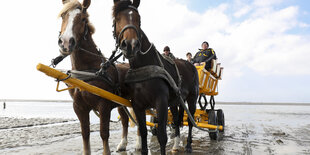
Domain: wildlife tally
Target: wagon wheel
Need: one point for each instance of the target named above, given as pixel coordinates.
(213, 134)
(154, 129)
(221, 119)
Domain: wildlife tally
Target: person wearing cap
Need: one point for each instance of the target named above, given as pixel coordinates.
(167, 53)
(205, 54)
(189, 57)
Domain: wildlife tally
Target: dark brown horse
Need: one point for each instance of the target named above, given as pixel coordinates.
(75, 39)
(153, 91)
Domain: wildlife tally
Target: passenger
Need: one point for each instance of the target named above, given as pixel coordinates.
(205, 54)
(167, 53)
(189, 57)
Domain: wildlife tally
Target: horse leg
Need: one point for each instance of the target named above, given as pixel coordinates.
(162, 112)
(124, 118)
(138, 141)
(140, 115)
(174, 111)
(105, 114)
(191, 101)
(83, 115)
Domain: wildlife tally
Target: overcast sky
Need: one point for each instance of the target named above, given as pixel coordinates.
(263, 45)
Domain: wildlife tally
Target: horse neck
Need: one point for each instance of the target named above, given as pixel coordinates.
(81, 60)
(149, 58)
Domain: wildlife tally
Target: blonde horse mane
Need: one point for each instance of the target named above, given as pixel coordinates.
(68, 6)
(73, 4)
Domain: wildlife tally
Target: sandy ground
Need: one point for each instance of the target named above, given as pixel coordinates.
(249, 130)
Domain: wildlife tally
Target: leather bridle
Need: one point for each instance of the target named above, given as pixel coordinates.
(128, 26)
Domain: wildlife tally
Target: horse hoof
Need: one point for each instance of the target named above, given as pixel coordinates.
(188, 150)
(144, 152)
(121, 149)
(174, 150)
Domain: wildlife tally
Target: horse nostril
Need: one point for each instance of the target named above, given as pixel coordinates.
(137, 44)
(71, 42)
(124, 44)
(59, 41)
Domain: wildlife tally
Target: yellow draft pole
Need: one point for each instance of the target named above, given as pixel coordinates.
(206, 125)
(83, 85)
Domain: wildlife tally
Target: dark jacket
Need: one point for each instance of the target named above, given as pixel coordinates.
(205, 56)
(169, 55)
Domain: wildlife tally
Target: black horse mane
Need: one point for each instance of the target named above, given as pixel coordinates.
(120, 6)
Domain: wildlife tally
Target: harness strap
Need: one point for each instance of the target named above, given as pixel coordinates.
(159, 59)
(87, 76)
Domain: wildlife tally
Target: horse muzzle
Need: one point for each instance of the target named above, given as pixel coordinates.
(130, 48)
(66, 47)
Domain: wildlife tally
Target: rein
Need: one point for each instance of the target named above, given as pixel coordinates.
(91, 53)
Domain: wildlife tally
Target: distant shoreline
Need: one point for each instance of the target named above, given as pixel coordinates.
(262, 103)
(219, 102)
(32, 100)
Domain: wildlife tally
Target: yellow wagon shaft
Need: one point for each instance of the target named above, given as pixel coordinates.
(201, 117)
(83, 86)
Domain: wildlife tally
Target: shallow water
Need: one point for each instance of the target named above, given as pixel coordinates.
(45, 110)
(250, 129)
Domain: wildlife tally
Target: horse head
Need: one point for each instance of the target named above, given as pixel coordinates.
(127, 31)
(75, 25)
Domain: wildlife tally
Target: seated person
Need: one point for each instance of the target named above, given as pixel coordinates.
(189, 57)
(167, 53)
(205, 54)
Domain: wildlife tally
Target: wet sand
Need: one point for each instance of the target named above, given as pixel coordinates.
(250, 129)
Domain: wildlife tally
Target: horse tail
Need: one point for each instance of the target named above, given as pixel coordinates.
(131, 122)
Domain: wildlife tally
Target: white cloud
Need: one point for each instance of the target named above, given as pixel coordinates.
(242, 11)
(260, 41)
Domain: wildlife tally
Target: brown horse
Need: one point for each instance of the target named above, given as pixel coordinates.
(153, 91)
(75, 39)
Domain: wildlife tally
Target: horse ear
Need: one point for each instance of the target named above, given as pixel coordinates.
(86, 4)
(64, 1)
(136, 3)
(115, 1)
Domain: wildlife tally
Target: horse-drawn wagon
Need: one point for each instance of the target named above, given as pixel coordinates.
(162, 77)
(212, 119)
